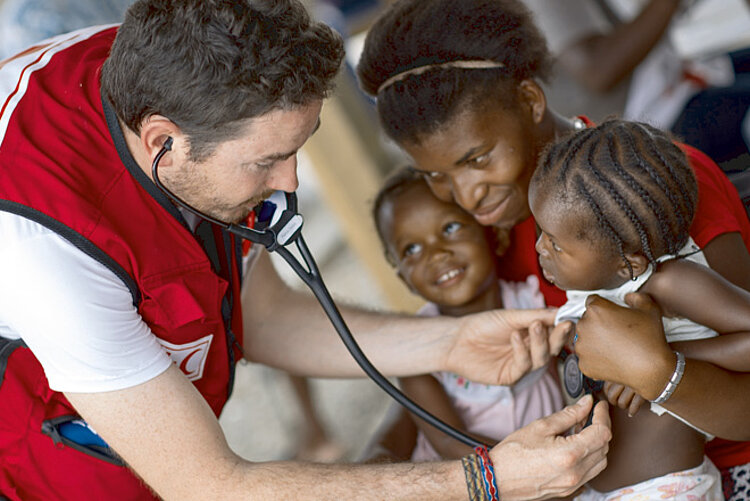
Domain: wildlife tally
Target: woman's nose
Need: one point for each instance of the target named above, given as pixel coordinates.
(467, 193)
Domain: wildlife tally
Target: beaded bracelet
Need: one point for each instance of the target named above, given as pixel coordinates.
(480, 475)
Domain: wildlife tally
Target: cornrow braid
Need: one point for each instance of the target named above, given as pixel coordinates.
(620, 200)
(603, 222)
(686, 187)
(632, 177)
(638, 188)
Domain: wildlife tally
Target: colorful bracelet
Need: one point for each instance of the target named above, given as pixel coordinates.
(480, 475)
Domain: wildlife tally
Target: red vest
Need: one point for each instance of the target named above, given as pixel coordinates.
(64, 164)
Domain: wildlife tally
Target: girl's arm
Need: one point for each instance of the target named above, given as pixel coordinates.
(686, 289)
(430, 395)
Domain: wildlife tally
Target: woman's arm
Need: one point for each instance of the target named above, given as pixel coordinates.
(627, 346)
(430, 395)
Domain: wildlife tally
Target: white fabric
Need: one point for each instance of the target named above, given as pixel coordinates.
(73, 312)
(675, 329)
(657, 91)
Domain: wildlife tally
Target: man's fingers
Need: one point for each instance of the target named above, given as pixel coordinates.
(539, 345)
(521, 355)
(522, 319)
(601, 417)
(560, 335)
(561, 421)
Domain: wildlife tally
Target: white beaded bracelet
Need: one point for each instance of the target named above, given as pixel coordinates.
(679, 370)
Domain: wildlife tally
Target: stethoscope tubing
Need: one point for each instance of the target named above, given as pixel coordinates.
(312, 278)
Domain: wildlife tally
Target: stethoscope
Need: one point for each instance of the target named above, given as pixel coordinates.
(277, 225)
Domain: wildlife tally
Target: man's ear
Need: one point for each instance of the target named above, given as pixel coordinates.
(637, 261)
(154, 132)
(531, 96)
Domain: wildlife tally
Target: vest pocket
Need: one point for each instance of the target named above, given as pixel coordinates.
(73, 432)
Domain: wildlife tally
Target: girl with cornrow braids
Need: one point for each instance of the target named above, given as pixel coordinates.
(459, 87)
(614, 204)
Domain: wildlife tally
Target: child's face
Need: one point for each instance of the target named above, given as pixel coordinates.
(439, 250)
(569, 260)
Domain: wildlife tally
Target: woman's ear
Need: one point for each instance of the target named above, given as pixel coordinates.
(532, 97)
(638, 262)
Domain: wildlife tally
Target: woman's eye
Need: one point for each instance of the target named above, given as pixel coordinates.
(411, 249)
(434, 177)
(452, 227)
(478, 161)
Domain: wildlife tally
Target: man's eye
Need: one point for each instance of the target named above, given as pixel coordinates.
(555, 247)
(411, 250)
(452, 227)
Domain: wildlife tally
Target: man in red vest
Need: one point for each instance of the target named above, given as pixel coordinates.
(122, 315)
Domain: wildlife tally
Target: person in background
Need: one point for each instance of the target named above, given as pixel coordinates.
(443, 255)
(616, 57)
(457, 88)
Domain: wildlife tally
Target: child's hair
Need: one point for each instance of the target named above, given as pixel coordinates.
(634, 179)
(396, 183)
(419, 33)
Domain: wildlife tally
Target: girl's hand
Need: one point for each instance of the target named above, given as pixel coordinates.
(623, 397)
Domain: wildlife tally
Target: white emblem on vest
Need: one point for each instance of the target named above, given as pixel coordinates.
(189, 357)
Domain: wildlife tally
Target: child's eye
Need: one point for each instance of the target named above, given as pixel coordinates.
(452, 227)
(411, 249)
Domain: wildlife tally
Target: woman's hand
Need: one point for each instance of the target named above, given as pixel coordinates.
(625, 345)
(500, 346)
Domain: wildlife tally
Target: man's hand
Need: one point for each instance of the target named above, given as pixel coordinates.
(624, 345)
(500, 346)
(538, 462)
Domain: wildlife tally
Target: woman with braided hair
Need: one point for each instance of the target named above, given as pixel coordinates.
(458, 88)
(614, 204)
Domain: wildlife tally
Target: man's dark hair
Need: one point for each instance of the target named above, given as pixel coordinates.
(415, 33)
(207, 65)
(633, 178)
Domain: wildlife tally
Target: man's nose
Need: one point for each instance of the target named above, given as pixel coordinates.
(284, 177)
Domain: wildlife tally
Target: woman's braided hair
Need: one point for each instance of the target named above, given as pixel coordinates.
(633, 178)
